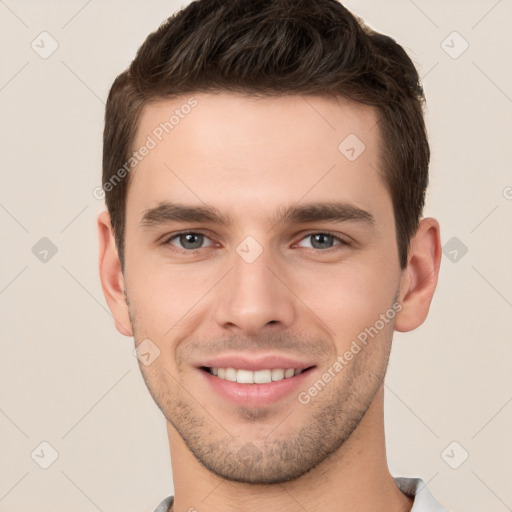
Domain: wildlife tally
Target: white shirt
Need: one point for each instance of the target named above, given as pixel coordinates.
(423, 500)
(413, 487)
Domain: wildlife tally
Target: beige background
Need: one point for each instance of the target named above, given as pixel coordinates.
(68, 378)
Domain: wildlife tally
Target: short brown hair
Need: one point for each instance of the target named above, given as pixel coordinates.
(276, 47)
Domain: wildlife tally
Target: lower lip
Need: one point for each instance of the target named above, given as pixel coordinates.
(255, 395)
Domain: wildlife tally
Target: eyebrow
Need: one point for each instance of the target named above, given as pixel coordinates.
(167, 212)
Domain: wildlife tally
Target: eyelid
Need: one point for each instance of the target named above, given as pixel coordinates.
(166, 240)
(338, 236)
(343, 239)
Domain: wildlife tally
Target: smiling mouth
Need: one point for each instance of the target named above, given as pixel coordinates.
(265, 376)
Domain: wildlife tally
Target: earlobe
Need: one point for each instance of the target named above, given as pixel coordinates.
(419, 278)
(111, 276)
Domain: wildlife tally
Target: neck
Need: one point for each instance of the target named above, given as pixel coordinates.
(355, 478)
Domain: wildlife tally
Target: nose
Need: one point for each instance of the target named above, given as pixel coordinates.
(254, 296)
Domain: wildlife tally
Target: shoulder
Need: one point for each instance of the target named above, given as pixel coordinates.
(165, 505)
(423, 500)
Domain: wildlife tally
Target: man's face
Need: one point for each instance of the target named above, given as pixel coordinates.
(264, 292)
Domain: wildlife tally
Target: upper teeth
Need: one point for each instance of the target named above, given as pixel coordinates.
(258, 377)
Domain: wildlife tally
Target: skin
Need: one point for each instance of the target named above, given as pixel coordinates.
(248, 157)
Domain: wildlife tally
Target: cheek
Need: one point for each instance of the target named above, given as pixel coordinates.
(163, 296)
(347, 298)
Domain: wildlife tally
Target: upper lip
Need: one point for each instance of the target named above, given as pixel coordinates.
(255, 362)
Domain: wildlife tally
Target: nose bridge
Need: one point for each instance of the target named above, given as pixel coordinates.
(252, 296)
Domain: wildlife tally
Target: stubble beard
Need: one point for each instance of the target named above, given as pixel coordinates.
(280, 456)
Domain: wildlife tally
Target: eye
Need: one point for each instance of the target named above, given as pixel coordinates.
(321, 241)
(189, 241)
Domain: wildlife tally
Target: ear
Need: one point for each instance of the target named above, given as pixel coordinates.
(419, 278)
(111, 275)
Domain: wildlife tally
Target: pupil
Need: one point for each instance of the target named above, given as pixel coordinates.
(189, 243)
(322, 240)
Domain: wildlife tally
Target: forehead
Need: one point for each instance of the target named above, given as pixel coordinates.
(234, 151)
(245, 121)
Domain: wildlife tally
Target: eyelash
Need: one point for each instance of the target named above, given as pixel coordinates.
(168, 239)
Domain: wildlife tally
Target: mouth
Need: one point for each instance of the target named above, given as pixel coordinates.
(255, 382)
(264, 376)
